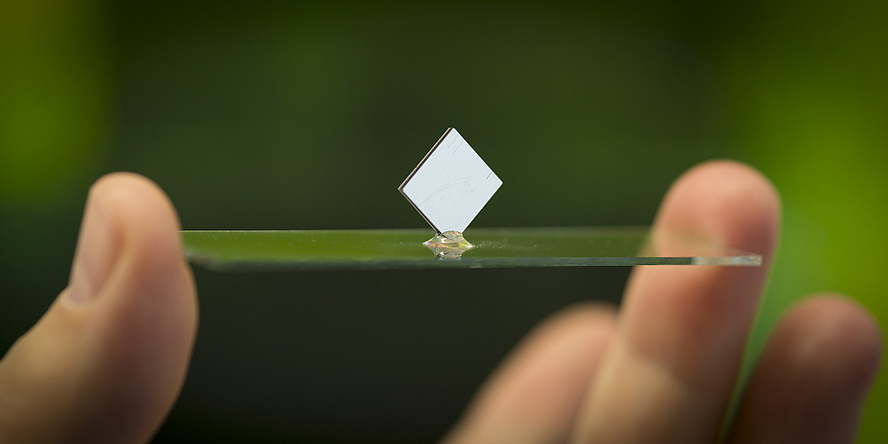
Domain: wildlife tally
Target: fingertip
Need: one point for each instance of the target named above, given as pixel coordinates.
(144, 227)
(682, 317)
(144, 320)
(147, 326)
(836, 326)
(142, 211)
(813, 376)
(537, 392)
(724, 200)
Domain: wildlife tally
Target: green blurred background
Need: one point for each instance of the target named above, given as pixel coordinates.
(308, 115)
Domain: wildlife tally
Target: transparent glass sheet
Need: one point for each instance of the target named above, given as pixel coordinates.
(493, 248)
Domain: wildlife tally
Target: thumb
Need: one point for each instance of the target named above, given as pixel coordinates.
(108, 359)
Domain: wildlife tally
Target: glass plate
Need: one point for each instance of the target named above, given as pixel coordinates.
(492, 248)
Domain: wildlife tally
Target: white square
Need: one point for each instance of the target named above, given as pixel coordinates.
(451, 184)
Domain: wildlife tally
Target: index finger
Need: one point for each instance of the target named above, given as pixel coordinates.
(671, 367)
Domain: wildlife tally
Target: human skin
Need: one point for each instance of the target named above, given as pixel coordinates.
(108, 359)
(663, 367)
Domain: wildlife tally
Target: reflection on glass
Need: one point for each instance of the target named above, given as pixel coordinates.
(448, 246)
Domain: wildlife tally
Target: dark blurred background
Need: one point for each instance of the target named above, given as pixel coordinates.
(278, 115)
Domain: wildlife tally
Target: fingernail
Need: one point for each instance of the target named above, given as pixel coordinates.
(94, 257)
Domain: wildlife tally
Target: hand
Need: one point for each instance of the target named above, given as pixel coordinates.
(662, 370)
(108, 359)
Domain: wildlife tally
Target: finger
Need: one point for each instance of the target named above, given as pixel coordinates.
(534, 396)
(813, 377)
(671, 366)
(107, 360)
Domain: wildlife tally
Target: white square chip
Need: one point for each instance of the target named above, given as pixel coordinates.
(451, 184)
